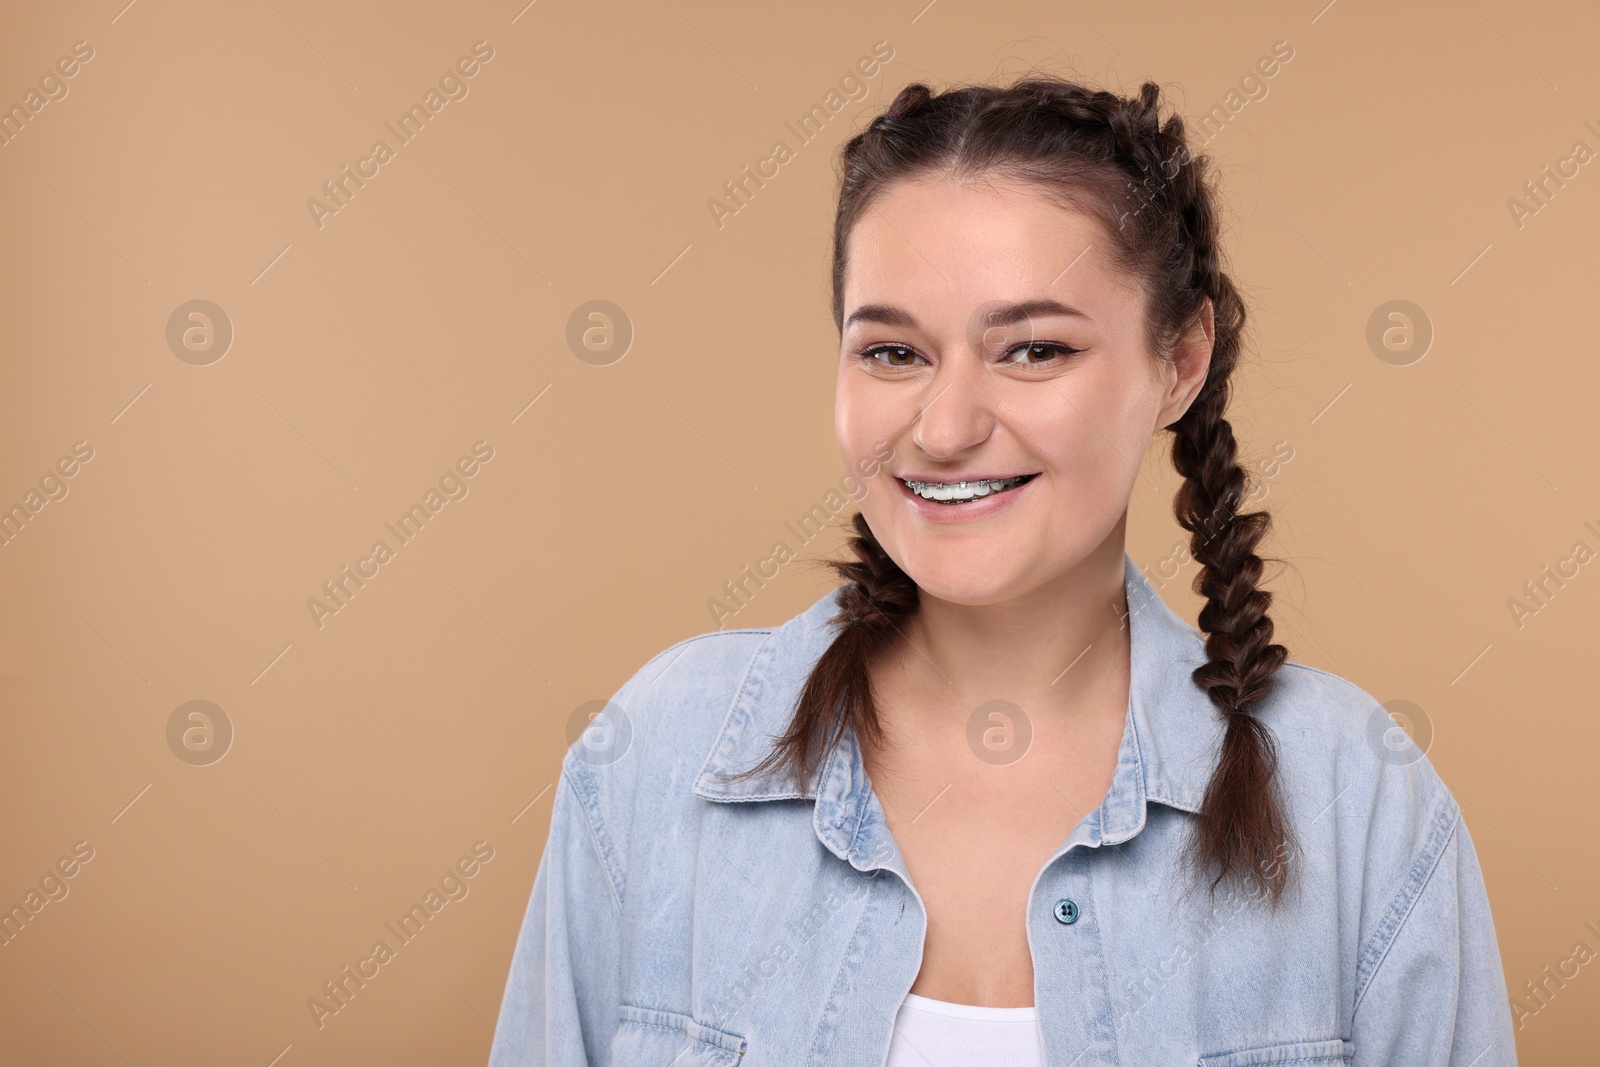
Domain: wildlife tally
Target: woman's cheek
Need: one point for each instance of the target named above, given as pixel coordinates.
(859, 423)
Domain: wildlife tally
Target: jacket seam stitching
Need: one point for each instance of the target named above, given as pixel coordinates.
(733, 704)
(601, 842)
(1318, 670)
(682, 649)
(860, 816)
(827, 1029)
(680, 1026)
(1400, 910)
(687, 641)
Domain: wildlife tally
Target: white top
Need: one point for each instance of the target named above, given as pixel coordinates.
(937, 1033)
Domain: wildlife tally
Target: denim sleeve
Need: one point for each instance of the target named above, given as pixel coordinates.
(560, 1004)
(1437, 997)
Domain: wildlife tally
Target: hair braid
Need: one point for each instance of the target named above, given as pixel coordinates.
(876, 596)
(1243, 826)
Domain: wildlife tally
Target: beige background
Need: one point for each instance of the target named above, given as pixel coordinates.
(370, 354)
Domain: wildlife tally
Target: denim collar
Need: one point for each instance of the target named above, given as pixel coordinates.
(1170, 740)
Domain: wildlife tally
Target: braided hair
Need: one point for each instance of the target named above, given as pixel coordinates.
(1113, 157)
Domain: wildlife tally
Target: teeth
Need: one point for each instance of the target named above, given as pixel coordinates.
(961, 492)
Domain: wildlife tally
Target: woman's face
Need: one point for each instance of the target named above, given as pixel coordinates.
(985, 337)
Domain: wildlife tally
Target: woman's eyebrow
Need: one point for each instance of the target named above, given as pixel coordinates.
(1000, 315)
(886, 314)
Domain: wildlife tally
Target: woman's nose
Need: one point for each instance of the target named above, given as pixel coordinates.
(956, 413)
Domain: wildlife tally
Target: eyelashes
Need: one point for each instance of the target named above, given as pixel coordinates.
(1060, 353)
(871, 354)
(1060, 350)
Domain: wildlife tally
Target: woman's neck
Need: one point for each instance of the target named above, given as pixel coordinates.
(1060, 650)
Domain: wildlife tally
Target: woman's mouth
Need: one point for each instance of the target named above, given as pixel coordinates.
(954, 494)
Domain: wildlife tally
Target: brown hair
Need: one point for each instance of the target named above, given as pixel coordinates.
(1091, 149)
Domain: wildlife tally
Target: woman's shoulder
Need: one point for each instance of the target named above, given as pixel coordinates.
(677, 697)
(631, 771)
(1326, 719)
(670, 711)
(1360, 784)
(1341, 752)
(1332, 734)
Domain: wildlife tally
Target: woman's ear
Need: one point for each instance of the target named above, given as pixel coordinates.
(1187, 368)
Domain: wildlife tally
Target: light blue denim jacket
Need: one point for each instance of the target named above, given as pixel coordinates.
(677, 919)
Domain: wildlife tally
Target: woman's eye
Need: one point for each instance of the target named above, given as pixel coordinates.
(1045, 350)
(893, 355)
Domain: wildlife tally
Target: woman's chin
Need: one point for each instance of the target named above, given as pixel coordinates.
(964, 582)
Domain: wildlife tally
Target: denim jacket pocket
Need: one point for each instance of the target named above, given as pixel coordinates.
(649, 1037)
(1333, 1051)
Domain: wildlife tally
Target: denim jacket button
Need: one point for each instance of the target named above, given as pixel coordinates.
(1066, 912)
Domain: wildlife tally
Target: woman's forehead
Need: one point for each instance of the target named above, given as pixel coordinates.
(933, 241)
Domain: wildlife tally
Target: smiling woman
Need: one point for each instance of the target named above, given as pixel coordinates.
(941, 815)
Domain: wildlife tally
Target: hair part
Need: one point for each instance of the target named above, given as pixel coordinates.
(1113, 157)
